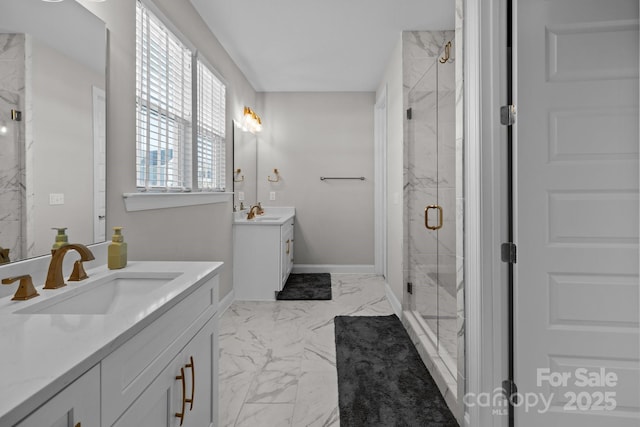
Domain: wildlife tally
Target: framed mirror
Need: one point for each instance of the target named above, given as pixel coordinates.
(245, 166)
(53, 60)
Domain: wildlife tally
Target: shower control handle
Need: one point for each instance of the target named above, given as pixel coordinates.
(426, 217)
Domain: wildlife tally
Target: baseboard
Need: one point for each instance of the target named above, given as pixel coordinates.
(226, 302)
(333, 268)
(393, 300)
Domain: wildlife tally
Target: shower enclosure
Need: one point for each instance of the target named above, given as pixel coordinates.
(432, 197)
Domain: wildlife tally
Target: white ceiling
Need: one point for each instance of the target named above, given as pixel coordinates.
(318, 45)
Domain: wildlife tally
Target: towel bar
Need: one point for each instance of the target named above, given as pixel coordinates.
(322, 178)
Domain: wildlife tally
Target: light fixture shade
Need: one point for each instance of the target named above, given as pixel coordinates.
(251, 122)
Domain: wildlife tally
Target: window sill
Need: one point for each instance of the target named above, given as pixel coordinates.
(149, 201)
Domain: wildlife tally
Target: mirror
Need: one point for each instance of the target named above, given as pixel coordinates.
(245, 158)
(52, 125)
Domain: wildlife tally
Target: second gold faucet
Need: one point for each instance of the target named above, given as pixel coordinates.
(258, 211)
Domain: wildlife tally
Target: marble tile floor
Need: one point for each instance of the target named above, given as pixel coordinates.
(277, 359)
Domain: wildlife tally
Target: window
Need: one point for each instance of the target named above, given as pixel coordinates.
(166, 132)
(210, 130)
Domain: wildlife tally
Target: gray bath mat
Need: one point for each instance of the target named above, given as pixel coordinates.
(381, 378)
(306, 286)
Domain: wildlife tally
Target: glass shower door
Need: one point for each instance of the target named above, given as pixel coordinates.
(431, 207)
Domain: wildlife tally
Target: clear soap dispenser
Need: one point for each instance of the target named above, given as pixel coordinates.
(61, 238)
(117, 252)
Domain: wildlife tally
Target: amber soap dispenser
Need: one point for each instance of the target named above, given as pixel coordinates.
(117, 250)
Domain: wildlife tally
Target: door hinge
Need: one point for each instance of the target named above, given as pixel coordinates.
(409, 113)
(510, 391)
(508, 251)
(507, 115)
(410, 287)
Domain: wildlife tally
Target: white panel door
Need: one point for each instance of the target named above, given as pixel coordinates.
(576, 295)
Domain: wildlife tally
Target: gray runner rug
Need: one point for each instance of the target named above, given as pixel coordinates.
(381, 379)
(306, 286)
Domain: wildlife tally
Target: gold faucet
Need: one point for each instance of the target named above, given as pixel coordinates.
(258, 211)
(54, 275)
(253, 211)
(25, 289)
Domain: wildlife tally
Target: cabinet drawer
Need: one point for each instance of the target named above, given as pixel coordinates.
(126, 372)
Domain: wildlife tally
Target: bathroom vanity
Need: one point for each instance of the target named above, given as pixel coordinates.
(262, 253)
(130, 347)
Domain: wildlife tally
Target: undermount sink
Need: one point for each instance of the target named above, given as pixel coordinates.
(104, 295)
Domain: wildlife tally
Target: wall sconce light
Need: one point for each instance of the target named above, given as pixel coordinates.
(251, 122)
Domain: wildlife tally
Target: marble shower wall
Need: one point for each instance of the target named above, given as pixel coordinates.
(12, 91)
(459, 135)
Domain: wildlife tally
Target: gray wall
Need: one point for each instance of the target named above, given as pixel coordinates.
(188, 233)
(392, 81)
(308, 135)
(62, 147)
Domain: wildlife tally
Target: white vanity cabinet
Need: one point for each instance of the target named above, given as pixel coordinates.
(262, 257)
(286, 258)
(167, 369)
(153, 361)
(78, 405)
(183, 393)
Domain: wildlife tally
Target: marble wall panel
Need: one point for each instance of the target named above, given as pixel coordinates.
(12, 60)
(459, 111)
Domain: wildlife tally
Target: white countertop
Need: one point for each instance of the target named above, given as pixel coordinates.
(43, 353)
(271, 216)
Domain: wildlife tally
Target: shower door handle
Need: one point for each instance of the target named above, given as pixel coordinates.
(426, 217)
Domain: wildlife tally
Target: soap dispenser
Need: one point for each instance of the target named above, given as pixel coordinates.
(117, 250)
(61, 238)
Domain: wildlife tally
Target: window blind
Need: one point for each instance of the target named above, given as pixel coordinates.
(210, 130)
(163, 106)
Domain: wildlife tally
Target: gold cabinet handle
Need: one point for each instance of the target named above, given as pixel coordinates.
(193, 382)
(78, 425)
(288, 242)
(426, 217)
(290, 251)
(184, 393)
